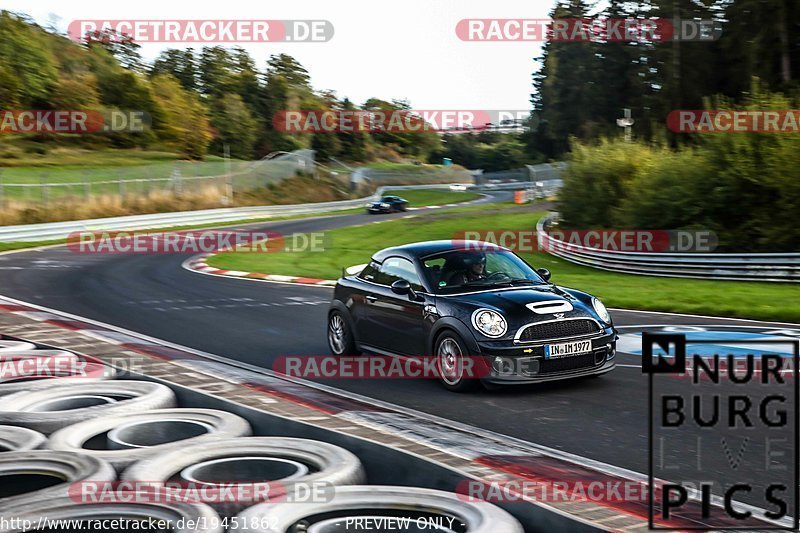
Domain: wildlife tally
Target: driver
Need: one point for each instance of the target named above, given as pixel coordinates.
(475, 269)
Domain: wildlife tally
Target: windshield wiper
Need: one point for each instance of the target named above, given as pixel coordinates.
(525, 281)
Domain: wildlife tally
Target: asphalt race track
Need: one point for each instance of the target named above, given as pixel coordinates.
(604, 419)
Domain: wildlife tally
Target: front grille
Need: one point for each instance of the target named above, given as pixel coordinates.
(558, 329)
(565, 364)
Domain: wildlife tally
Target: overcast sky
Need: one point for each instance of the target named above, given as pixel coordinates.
(410, 51)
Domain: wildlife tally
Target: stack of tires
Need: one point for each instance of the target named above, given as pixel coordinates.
(100, 447)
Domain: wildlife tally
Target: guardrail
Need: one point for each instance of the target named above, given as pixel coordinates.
(61, 230)
(776, 267)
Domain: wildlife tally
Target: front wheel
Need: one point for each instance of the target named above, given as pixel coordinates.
(451, 362)
(340, 336)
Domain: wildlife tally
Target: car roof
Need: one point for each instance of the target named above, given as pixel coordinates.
(426, 248)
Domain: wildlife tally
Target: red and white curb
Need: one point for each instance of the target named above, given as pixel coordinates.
(198, 263)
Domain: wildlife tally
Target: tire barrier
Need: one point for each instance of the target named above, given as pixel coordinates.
(15, 346)
(51, 409)
(252, 460)
(46, 474)
(194, 518)
(123, 439)
(100, 428)
(407, 509)
(17, 439)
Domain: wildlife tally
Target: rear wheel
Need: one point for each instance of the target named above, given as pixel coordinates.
(452, 361)
(340, 336)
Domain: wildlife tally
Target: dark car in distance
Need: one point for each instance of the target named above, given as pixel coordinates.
(387, 204)
(457, 300)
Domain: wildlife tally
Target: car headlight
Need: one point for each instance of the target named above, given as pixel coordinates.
(601, 310)
(490, 323)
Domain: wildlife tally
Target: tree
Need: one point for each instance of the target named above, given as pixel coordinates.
(286, 87)
(25, 62)
(566, 86)
(79, 92)
(353, 145)
(216, 71)
(185, 125)
(234, 125)
(290, 69)
(121, 46)
(179, 63)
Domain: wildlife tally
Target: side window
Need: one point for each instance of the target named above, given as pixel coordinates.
(396, 268)
(370, 272)
(433, 270)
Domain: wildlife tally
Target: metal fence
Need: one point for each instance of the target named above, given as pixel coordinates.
(176, 177)
(781, 267)
(411, 175)
(528, 173)
(61, 230)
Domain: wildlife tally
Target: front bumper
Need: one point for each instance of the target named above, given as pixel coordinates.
(511, 363)
(379, 210)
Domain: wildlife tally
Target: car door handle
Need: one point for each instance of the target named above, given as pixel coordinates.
(371, 298)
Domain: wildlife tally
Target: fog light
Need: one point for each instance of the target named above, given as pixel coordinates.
(497, 363)
(611, 351)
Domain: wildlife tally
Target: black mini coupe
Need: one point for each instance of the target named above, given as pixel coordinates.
(387, 204)
(466, 301)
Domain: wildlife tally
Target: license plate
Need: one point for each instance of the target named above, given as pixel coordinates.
(567, 349)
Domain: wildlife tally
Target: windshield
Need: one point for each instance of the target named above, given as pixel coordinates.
(457, 270)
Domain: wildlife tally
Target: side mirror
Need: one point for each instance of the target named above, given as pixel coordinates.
(401, 286)
(544, 273)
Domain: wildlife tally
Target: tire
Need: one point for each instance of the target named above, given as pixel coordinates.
(450, 351)
(51, 409)
(371, 500)
(172, 429)
(325, 463)
(199, 515)
(93, 372)
(15, 346)
(16, 439)
(346, 344)
(46, 474)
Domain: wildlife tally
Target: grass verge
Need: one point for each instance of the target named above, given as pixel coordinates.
(351, 246)
(425, 197)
